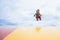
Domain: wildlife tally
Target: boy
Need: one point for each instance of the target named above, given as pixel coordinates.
(38, 15)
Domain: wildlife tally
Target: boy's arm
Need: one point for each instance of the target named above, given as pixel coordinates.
(40, 14)
(34, 14)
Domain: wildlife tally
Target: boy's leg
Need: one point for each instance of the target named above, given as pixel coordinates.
(37, 18)
(40, 18)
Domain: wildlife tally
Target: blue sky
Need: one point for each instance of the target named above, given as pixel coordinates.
(20, 12)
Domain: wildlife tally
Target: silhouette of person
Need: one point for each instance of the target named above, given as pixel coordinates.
(37, 15)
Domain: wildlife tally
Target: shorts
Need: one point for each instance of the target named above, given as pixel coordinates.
(37, 16)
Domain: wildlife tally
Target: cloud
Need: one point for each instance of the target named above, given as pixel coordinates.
(58, 8)
(4, 22)
(22, 11)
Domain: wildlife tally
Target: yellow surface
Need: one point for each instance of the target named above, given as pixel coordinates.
(34, 33)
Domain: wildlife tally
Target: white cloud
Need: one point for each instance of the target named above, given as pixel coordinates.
(23, 10)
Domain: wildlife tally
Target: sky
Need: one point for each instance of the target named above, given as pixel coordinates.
(21, 12)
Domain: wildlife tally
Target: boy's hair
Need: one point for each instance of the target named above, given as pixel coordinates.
(37, 10)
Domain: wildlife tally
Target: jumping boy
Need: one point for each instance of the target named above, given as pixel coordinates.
(37, 15)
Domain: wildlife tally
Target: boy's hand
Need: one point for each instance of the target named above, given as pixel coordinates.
(34, 15)
(40, 15)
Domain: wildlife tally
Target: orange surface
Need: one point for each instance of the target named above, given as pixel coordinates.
(34, 33)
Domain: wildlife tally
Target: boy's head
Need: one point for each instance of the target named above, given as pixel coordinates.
(37, 10)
